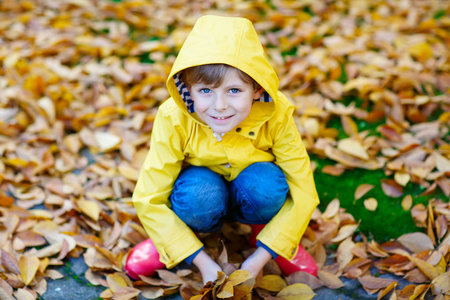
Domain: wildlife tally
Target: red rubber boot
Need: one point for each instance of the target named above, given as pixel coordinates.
(143, 260)
(302, 261)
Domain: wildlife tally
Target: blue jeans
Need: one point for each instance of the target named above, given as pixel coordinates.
(204, 200)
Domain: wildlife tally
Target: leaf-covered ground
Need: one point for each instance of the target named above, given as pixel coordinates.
(80, 83)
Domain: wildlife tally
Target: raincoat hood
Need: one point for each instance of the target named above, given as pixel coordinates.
(223, 40)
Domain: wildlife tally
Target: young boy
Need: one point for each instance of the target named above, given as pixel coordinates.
(224, 147)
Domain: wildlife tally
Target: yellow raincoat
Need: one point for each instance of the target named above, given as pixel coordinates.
(179, 137)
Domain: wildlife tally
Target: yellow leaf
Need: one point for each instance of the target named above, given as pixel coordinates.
(421, 52)
(106, 141)
(402, 178)
(311, 126)
(240, 276)
(226, 291)
(426, 268)
(297, 291)
(28, 266)
(116, 281)
(360, 83)
(353, 147)
(89, 208)
(349, 126)
(407, 202)
(371, 204)
(273, 283)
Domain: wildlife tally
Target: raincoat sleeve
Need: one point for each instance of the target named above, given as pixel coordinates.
(173, 239)
(283, 233)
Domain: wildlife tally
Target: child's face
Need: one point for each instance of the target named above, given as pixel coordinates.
(224, 107)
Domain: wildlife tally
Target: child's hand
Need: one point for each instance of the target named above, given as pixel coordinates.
(255, 262)
(208, 267)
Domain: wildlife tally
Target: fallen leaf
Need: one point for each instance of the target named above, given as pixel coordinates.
(28, 267)
(297, 291)
(375, 283)
(330, 280)
(416, 242)
(371, 204)
(362, 189)
(407, 202)
(273, 283)
(391, 188)
(344, 232)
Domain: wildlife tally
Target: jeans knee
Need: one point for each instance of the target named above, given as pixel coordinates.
(200, 199)
(259, 192)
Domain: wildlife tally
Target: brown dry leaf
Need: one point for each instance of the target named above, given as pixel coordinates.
(28, 267)
(4, 295)
(24, 294)
(419, 215)
(30, 238)
(333, 170)
(170, 277)
(344, 253)
(330, 280)
(416, 242)
(441, 284)
(126, 293)
(344, 232)
(441, 226)
(375, 283)
(391, 188)
(362, 189)
(332, 209)
(152, 292)
(304, 277)
(10, 263)
(297, 291)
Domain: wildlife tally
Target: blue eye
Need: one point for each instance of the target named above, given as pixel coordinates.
(234, 91)
(205, 91)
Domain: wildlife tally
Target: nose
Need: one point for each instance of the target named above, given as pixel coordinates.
(220, 103)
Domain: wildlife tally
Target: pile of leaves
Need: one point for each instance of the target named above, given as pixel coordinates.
(80, 84)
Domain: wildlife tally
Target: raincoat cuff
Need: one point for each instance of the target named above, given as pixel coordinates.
(262, 245)
(191, 257)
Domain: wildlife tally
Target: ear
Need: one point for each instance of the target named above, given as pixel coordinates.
(259, 91)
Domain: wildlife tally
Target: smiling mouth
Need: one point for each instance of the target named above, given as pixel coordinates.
(221, 118)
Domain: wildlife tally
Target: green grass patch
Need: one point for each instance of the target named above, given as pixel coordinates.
(389, 220)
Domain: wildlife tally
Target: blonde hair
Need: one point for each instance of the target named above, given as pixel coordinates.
(213, 74)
